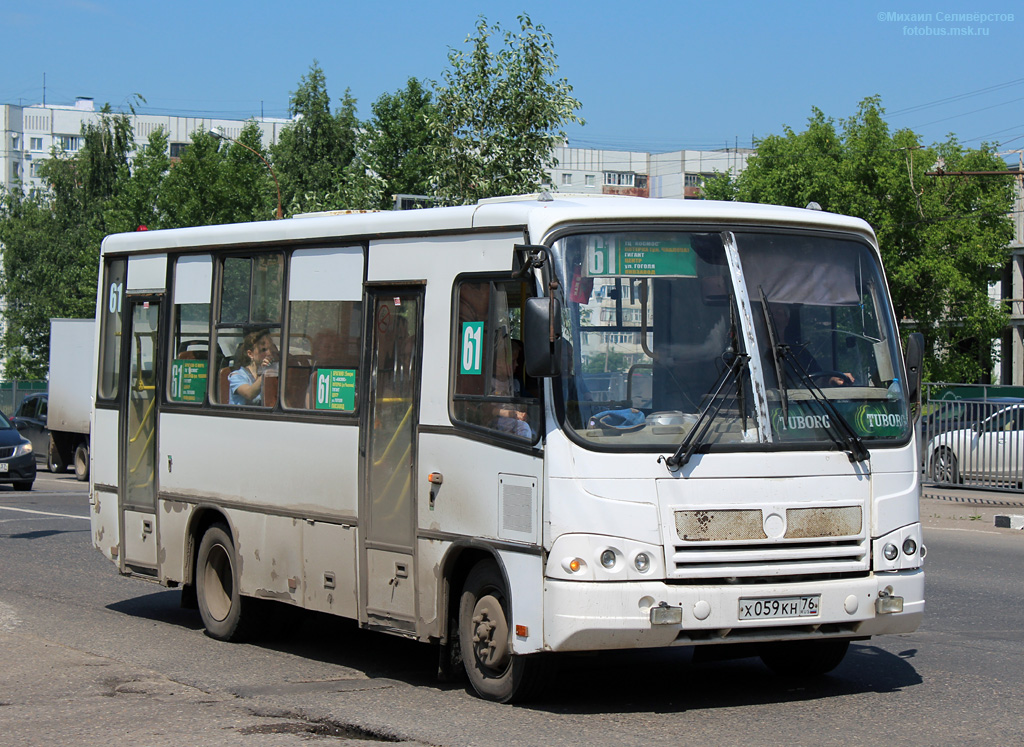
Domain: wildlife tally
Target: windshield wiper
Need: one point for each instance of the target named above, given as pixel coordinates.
(847, 438)
(707, 415)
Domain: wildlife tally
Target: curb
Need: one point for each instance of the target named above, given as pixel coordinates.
(1013, 521)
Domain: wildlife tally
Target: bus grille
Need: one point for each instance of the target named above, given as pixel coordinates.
(744, 543)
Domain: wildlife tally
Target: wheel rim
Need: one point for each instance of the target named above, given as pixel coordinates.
(218, 584)
(944, 469)
(490, 633)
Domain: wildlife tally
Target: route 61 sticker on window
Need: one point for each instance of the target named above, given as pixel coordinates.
(472, 348)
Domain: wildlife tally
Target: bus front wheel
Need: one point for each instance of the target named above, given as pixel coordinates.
(220, 603)
(485, 640)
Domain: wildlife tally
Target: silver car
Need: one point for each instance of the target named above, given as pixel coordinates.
(989, 451)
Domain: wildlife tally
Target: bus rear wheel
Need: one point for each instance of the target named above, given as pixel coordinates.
(485, 640)
(804, 658)
(220, 603)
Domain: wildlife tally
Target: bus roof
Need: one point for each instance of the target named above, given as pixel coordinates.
(537, 214)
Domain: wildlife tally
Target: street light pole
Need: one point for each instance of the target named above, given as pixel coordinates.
(219, 134)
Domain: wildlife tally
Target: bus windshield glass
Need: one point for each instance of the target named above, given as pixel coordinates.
(657, 341)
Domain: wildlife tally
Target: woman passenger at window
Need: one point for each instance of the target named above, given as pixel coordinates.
(258, 354)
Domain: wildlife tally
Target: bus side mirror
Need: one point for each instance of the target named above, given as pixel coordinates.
(542, 321)
(914, 358)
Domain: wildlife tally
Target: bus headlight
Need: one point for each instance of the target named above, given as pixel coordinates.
(890, 551)
(608, 559)
(909, 546)
(642, 562)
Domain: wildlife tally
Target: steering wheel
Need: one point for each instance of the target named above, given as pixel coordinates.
(825, 378)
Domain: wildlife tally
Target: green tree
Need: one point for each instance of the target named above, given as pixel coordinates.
(312, 154)
(499, 114)
(396, 142)
(942, 239)
(217, 181)
(134, 203)
(51, 241)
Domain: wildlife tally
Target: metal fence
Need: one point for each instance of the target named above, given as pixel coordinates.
(13, 392)
(973, 436)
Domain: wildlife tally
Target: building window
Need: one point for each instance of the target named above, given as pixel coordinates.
(36, 143)
(566, 180)
(619, 178)
(178, 149)
(590, 180)
(693, 180)
(69, 143)
(33, 169)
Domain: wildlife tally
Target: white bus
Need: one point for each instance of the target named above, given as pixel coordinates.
(527, 426)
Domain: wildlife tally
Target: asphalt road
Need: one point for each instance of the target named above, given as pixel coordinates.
(91, 658)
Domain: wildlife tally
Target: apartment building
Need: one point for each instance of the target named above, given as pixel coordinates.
(31, 132)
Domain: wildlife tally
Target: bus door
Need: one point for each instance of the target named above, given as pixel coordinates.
(388, 448)
(138, 434)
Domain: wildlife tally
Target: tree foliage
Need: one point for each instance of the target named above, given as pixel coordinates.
(943, 239)
(488, 130)
(397, 141)
(217, 181)
(51, 242)
(313, 155)
(499, 114)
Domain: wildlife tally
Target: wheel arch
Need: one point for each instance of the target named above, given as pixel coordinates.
(525, 598)
(202, 519)
(455, 567)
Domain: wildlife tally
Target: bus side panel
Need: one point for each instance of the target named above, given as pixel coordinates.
(269, 552)
(106, 528)
(270, 465)
(329, 564)
(104, 514)
(525, 575)
(470, 499)
(173, 519)
(265, 475)
(104, 460)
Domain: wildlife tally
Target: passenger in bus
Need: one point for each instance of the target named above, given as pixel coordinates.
(508, 418)
(781, 315)
(257, 355)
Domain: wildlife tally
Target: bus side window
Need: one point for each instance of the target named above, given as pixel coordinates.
(111, 319)
(248, 330)
(491, 389)
(322, 361)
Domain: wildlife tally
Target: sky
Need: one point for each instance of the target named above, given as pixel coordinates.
(652, 75)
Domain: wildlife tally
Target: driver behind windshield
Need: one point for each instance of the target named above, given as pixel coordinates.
(783, 317)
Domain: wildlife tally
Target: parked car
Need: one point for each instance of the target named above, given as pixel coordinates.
(990, 449)
(17, 461)
(30, 420)
(956, 414)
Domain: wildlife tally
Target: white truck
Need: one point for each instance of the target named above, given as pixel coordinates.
(70, 393)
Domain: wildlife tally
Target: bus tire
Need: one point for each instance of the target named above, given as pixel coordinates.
(54, 461)
(82, 462)
(804, 658)
(217, 594)
(485, 640)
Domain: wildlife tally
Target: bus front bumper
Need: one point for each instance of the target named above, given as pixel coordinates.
(588, 615)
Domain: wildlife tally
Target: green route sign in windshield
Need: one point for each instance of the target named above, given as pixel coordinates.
(640, 257)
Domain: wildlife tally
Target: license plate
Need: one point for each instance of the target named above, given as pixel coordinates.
(4, 466)
(764, 608)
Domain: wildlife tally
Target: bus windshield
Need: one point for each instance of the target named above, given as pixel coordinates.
(658, 337)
